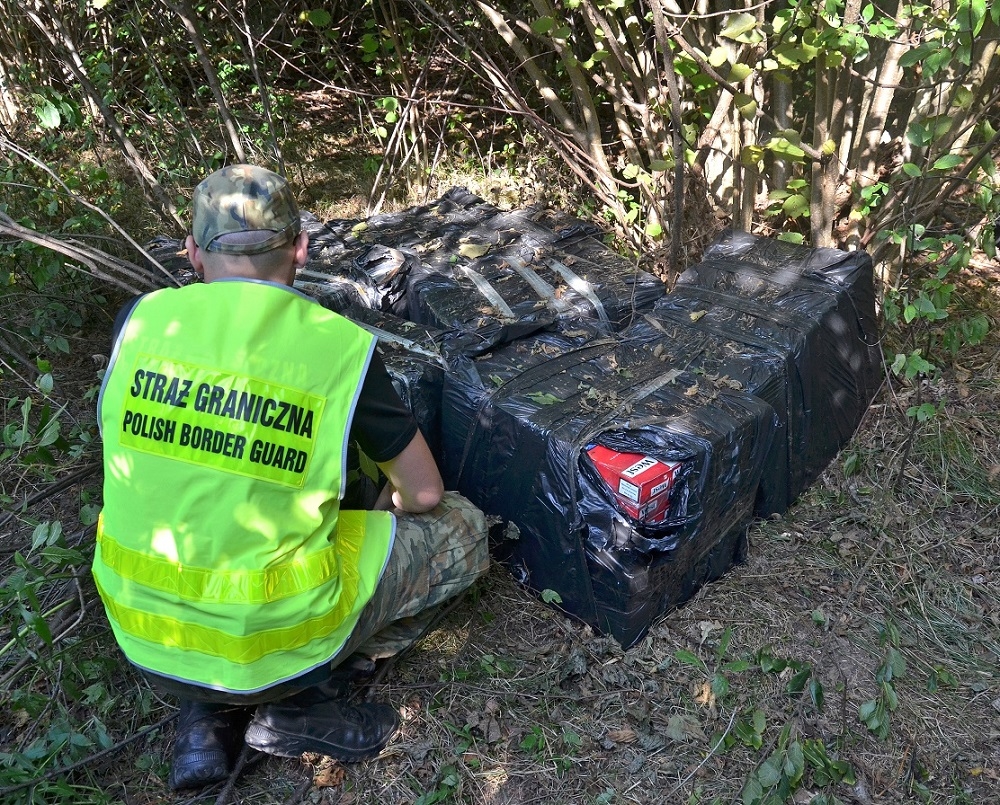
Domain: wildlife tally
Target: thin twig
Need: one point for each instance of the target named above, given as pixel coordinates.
(52, 489)
(300, 792)
(241, 762)
(711, 752)
(49, 775)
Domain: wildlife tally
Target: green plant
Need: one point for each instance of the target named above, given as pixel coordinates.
(447, 784)
(790, 767)
(877, 713)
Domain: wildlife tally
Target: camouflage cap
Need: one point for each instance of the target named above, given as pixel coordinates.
(244, 209)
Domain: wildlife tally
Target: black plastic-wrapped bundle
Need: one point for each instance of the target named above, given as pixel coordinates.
(678, 336)
(759, 303)
(171, 254)
(519, 428)
(412, 355)
(510, 267)
(426, 228)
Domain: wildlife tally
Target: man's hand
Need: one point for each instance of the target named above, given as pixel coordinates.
(384, 501)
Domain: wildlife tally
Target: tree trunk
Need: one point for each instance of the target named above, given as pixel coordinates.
(183, 10)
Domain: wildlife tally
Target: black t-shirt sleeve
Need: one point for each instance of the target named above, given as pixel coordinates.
(122, 316)
(383, 426)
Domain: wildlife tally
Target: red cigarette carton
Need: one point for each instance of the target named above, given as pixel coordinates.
(651, 513)
(634, 477)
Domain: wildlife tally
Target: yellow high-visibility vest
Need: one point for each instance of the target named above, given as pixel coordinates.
(223, 558)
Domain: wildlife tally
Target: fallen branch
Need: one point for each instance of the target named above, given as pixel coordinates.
(51, 489)
(104, 753)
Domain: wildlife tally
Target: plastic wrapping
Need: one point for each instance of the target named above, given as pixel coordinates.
(516, 427)
(412, 355)
(171, 254)
(509, 267)
(816, 307)
(539, 364)
(478, 267)
(426, 228)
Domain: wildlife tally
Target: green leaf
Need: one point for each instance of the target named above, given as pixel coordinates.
(912, 57)
(543, 25)
(739, 72)
(48, 115)
(689, 658)
(782, 146)
(988, 242)
(751, 155)
(719, 56)
(720, 685)
(795, 764)
(790, 55)
(947, 161)
(769, 772)
(319, 17)
(89, 513)
(868, 711)
(753, 792)
(911, 170)
(795, 206)
(896, 664)
(747, 105)
(543, 398)
(918, 134)
(816, 693)
(551, 597)
(798, 682)
(737, 25)
(747, 734)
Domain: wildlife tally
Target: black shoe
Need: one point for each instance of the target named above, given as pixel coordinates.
(343, 731)
(205, 746)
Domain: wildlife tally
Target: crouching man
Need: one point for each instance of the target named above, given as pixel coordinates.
(230, 574)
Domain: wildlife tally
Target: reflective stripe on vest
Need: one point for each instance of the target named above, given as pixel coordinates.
(222, 557)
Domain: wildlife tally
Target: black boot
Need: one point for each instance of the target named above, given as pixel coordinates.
(310, 723)
(206, 743)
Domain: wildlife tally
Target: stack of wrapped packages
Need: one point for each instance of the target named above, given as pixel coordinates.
(625, 437)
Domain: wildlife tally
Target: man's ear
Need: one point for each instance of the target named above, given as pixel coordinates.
(194, 255)
(301, 249)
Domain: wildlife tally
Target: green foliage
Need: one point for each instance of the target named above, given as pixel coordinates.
(446, 786)
(876, 713)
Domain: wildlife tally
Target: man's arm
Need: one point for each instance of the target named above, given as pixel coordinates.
(414, 480)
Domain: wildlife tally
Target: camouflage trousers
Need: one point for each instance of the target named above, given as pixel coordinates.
(435, 556)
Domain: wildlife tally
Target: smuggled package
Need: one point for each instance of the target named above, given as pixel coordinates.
(519, 430)
(511, 267)
(171, 254)
(427, 228)
(678, 336)
(412, 356)
(760, 300)
(481, 267)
